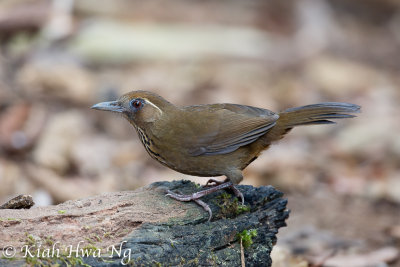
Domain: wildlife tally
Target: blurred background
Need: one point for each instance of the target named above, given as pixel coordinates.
(60, 57)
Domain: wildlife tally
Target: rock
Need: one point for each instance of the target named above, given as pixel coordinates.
(19, 202)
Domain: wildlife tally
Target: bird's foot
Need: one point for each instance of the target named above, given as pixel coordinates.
(193, 197)
(238, 194)
(196, 196)
(212, 182)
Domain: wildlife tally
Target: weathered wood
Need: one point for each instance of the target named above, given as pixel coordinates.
(153, 229)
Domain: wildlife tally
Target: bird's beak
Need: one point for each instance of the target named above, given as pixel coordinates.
(113, 106)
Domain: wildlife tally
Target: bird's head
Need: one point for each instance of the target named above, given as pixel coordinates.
(138, 107)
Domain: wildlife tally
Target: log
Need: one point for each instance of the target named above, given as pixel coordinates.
(146, 228)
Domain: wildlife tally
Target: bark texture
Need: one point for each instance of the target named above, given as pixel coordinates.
(151, 229)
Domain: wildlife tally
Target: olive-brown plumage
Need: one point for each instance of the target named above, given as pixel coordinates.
(215, 139)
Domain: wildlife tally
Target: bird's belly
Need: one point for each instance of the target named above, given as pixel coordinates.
(177, 158)
(208, 165)
(198, 167)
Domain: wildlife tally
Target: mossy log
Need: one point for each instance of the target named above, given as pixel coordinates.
(146, 228)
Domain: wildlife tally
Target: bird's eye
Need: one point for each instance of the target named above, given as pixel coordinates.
(136, 103)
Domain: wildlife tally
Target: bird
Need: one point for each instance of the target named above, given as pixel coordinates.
(212, 140)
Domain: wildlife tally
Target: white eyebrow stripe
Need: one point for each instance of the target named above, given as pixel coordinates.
(149, 102)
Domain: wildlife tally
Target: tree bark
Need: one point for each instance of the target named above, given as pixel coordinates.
(146, 228)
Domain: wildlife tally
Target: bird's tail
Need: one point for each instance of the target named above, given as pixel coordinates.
(321, 113)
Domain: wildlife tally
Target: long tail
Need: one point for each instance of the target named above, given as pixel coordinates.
(321, 113)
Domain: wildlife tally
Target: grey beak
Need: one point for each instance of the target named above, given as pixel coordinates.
(113, 106)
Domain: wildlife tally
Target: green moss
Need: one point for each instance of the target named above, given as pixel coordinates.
(49, 241)
(9, 219)
(107, 235)
(104, 260)
(30, 240)
(73, 261)
(230, 206)
(96, 237)
(62, 212)
(224, 195)
(247, 237)
(241, 209)
(90, 247)
(55, 261)
(91, 240)
(132, 263)
(40, 260)
(182, 262)
(194, 261)
(9, 259)
(172, 244)
(213, 258)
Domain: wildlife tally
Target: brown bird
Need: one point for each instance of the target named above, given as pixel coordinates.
(215, 139)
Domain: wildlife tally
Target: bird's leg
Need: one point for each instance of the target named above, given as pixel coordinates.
(236, 176)
(238, 194)
(199, 194)
(236, 191)
(196, 196)
(205, 207)
(212, 182)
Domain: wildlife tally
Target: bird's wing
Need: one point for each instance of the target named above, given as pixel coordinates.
(226, 127)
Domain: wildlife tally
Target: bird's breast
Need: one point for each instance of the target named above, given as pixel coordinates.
(149, 145)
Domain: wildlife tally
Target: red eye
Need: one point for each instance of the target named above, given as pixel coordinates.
(136, 103)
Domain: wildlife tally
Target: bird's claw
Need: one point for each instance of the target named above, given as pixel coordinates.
(238, 194)
(205, 207)
(196, 196)
(213, 182)
(192, 197)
